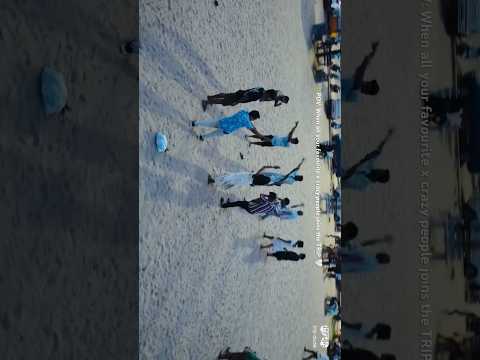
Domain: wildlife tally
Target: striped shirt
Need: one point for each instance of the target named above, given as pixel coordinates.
(262, 205)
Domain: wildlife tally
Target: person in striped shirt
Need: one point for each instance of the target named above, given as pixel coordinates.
(284, 212)
(263, 205)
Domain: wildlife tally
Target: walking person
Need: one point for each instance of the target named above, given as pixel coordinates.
(358, 84)
(279, 244)
(246, 96)
(283, 212)
(260, 178)
(263, 205)
(228, 125)
(275, 141)
(363, 173)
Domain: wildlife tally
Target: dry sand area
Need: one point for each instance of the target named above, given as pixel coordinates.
(204, 283)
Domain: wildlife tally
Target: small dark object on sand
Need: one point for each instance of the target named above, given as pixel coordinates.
(241, 156)
(215, 3)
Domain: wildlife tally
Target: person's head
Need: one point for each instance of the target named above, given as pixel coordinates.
(383, 258)
(272, 196)
(299, 244)
(301, 256)
(298, 178)
(294, 141)
(285, 202)
(387, 357)
(254, 115)
(379, 175)
(300, 213)
(349, 231)
(284, 99)
(370, 87)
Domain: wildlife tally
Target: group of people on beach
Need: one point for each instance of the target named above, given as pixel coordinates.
(266, 204)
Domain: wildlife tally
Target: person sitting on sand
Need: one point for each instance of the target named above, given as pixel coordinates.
(279, 244)
(358, 84)
(263, 205)
(228, 125)
(287, 256)
(314, 355)
(246, 96)
(275, 141)
(246, 354)
(362, 174)
(260, 178)
(355, 260)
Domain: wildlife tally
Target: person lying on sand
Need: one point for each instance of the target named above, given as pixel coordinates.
(246, 96)
(263, 205)
(260, 178)
(314, 355)
(287, 255)
(275, 141)
(228, 125)
(358, 84)
(363, 173)
(246, 354)
(279, 244)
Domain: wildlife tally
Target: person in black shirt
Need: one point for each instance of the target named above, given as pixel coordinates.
(246, 96)
(287, 255)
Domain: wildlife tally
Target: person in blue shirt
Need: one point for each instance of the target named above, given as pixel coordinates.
(275, 141)
(228, 125)
(363, 173)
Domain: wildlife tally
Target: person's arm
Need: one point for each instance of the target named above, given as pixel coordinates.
(297, 206)
(255, 131)
(290, 134)
(277, 103)
(267, 167)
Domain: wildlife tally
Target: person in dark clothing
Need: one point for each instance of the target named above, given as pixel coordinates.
(246, 96)
(287, 255)
(263, 205)
(358, 83)
(246, 354)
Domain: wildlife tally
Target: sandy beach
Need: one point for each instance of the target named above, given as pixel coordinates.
(204, 283)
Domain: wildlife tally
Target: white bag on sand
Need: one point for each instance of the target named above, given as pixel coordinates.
(54, 91)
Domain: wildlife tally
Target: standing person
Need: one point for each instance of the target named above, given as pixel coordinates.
(275, 141)
(363, 173)
(229, 124)
(279, 244)
(246, 96)
(260, 178)
(355, 260)
(314, 355)
(358, 84)
(263, 205)
(246, 354)
(287, 255)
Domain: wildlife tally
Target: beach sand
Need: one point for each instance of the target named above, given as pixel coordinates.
(204, 283)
